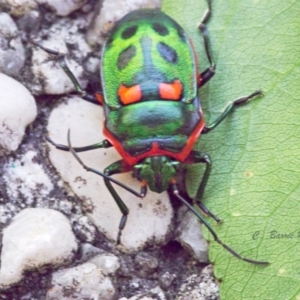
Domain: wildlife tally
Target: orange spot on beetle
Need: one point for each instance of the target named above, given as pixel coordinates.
(170, 91)
(129, 95)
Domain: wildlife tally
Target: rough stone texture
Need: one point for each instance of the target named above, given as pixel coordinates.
(35, 238)
(62, 8)
(189, 234)
(107, 262)
(154, 294)
(145, 264)
(82, 282)
(12, 53)
(24, 177)
(48, 72)
(18, 7)
(201, 287)
(111, 12)
(17, 110)
(149, 219)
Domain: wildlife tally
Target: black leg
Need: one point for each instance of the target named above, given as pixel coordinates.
(115, 168)
(215, 236)
(61, 59)
(206, 211)
(71, 149)
(201, 157)
(228, 109)
(210, 71)
(103, 144)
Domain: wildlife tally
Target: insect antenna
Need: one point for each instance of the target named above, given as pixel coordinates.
(99, 172)
(207, 225)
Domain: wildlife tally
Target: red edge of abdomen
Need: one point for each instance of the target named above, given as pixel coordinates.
(155, 150)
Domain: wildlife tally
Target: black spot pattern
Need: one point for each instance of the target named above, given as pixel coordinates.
(126, 56)
(160, 29)
(129, 32)
(167, 53)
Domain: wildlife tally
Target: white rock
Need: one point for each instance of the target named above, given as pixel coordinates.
(149, 218)
(19, 7)
(70, 33)
(189, 234)
(26, 177)
(156, 294)
(62, 8)
(88, 251)
(17, 110)
(138, 297)
(108, 263)
(47, 70)
(12, 53)
(111, 12)
(6, 212)
(86, 228)
(36, 237)
(199, 286)
(82, 282)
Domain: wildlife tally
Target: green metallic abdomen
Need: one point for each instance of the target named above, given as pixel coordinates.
(167, 123)
(147, 48)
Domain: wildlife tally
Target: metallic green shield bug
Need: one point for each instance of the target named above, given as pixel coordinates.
(153, 116)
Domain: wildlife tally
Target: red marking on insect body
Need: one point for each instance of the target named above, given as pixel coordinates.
(156, 150)
(129, 95)
(171, 91)
(100, 98)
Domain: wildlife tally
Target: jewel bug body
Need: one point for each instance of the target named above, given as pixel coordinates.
(153, 116)
(150, 80)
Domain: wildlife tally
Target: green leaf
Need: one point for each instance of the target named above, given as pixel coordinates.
(254, 185)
